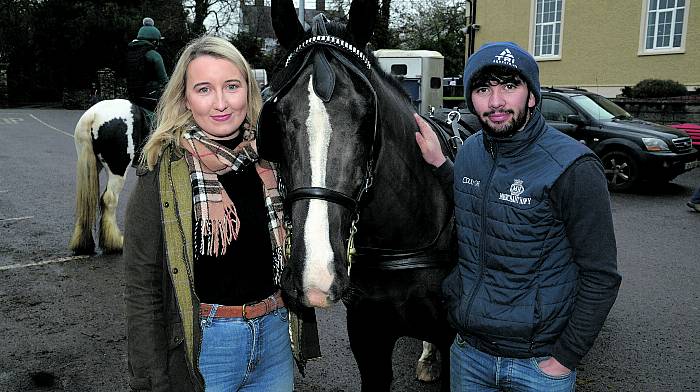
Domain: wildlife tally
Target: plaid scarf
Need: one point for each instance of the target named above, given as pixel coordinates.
(216, 221)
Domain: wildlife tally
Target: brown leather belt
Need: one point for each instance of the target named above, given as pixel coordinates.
(247, 311)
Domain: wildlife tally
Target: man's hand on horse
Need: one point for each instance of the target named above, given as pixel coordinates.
(428, 143)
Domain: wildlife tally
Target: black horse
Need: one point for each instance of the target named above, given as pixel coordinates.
(370, 223)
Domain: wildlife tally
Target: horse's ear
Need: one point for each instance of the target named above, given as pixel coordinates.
(286, 23)
(361, 21)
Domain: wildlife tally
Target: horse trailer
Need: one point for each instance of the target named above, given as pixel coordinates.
(260, 77)
(420, 73)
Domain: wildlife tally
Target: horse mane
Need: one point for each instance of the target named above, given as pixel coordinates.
(391, 79)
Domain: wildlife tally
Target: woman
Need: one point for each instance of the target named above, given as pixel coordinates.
(204, 238)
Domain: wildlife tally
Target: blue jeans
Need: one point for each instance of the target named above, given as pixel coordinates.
(474, 370)
(247, 355)
(696, 196)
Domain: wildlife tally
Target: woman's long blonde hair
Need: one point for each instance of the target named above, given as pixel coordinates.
(172, 117)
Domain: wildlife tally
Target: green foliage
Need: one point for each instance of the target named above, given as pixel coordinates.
(384, 37)
(435, 25)
(52, 45)
(655, 88)
(249, 45)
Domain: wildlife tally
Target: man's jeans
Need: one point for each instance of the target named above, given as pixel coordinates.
(474, 370)
(696, 196)
(247, 355)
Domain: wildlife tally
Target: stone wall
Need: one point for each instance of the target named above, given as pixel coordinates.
(672, 110)
(106, 83)
(108, 86)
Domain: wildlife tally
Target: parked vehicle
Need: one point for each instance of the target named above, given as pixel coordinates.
(419, 72)
(632, 150)
(260, 77)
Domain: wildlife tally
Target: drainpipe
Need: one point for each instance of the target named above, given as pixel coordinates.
(473, 27)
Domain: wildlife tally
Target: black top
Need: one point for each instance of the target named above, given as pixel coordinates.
(244, 274)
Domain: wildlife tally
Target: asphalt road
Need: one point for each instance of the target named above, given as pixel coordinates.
(62, 323)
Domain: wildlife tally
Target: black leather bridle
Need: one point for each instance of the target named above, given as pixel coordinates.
(339, 49)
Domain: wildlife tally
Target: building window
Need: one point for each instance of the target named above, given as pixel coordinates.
(547, 37)
(664, 25)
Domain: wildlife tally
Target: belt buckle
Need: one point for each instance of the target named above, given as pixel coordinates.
(243, 313)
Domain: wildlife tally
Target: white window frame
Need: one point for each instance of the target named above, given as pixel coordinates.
(643, 27)
(534, 37)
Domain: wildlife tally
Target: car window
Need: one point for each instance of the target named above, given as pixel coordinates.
(599, 107)
(555, 110)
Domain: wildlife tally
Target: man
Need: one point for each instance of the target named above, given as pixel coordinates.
(537, 269)
(146, 77)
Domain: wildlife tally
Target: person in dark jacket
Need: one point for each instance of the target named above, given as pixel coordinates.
(145, 75)
(204, 240)
(537, 266)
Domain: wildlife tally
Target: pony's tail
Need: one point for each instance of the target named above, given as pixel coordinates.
(87, 188)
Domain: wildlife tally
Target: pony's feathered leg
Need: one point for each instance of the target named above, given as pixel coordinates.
(87, 187)
(111, 238)
(428, 368)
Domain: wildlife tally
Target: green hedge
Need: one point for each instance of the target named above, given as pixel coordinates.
(655, 88)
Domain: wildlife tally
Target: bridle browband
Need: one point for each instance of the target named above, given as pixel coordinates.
(330, 41)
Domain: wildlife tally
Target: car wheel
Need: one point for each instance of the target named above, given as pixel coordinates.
(621, 170)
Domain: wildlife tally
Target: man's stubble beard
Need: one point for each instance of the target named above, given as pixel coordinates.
(514, 125)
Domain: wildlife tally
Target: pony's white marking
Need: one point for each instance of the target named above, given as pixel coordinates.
(50, 126)
(105, 111)
(17, 219)
(319, 254)
(62, 259)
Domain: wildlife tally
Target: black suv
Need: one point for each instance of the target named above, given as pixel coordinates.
(631, 149)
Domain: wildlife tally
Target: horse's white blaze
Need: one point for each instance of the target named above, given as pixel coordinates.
(105, 111)
(319, 254)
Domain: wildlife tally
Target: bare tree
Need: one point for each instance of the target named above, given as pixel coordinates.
(436, 25)
(219, 15)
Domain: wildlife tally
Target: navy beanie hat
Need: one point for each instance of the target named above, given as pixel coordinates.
(507, 55)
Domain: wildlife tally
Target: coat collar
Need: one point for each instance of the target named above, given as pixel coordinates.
(516, 143)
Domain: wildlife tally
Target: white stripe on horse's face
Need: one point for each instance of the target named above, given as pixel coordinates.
(109, 110)
(319, 254)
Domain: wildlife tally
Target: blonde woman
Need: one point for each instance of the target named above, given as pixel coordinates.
(203, 247)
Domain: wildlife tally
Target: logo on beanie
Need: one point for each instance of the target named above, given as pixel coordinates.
(505, 58)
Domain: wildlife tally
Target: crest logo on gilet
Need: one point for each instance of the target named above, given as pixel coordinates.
(516, 189)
